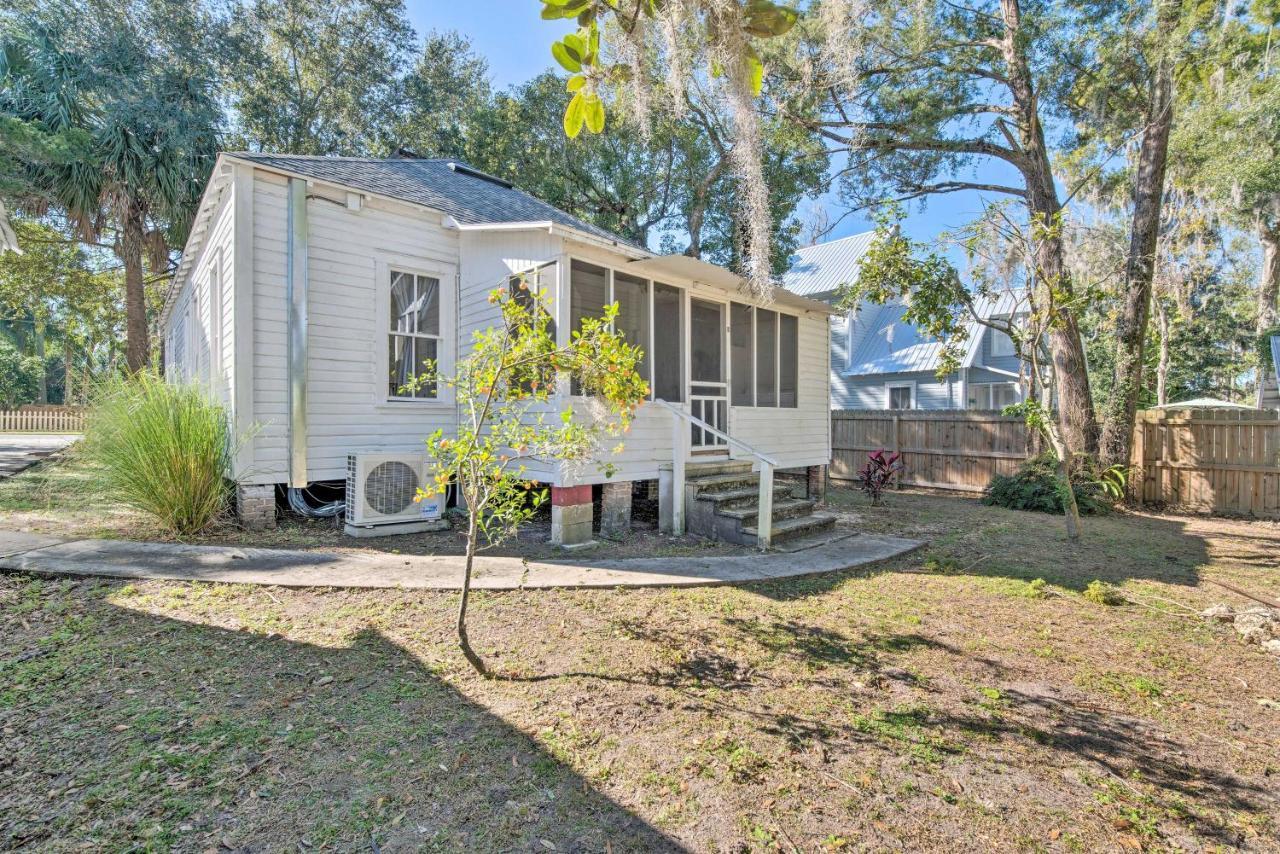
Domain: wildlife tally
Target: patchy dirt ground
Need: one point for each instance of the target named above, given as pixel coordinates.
(64, 497)
(943, 702)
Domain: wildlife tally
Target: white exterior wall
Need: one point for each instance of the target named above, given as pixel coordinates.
(349, 255)
(197, 333)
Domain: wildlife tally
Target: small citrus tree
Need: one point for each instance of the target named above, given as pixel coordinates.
(504, 390)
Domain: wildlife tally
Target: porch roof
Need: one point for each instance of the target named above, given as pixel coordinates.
(704, 272)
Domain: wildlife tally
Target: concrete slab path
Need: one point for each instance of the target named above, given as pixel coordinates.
(37, 553)
(20, 451)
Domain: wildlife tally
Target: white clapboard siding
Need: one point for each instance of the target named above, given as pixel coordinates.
(350, 252)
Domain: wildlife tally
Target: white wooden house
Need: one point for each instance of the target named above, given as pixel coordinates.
(311, 286)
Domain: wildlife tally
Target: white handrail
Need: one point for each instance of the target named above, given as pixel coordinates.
(679, 437)
(698, 422)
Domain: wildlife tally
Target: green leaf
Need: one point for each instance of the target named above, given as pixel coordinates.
(594, 113)
(567, 61)
(574, 116)
(575, 83)
(552, 13)
(756, 68)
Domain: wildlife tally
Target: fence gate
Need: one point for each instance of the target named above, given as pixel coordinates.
(1208, 460)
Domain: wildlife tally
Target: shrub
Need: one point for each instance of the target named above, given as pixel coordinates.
(1037, 487)
(877, 473)
(164, 449)
(1102, 593)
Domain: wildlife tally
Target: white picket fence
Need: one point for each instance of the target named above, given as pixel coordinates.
(42, 419)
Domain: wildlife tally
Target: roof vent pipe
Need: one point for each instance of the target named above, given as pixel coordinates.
(296, 309)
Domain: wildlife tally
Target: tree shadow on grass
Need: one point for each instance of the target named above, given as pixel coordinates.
(137, 731)
(902, 712)
(966, 537)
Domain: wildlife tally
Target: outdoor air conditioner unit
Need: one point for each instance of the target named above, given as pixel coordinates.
(381, 488)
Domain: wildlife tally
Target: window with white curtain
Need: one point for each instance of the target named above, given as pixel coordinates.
(415, 334)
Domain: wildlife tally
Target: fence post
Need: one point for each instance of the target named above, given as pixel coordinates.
(897, 449)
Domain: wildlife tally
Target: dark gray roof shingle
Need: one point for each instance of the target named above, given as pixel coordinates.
(469, 199)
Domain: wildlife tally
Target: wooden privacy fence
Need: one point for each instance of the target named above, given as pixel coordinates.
(1209, 460)
(42, 419)
(944, 449)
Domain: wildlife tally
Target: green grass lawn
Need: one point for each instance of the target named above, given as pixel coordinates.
(966, 697)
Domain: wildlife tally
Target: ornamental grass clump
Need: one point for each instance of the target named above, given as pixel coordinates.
(163, 448)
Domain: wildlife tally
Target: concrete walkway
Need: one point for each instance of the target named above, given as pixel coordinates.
(20, 451)
(38, 553)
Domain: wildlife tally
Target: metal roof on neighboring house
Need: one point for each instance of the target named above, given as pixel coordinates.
(450, 186)
(818, 271)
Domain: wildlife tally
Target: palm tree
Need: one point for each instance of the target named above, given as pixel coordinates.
(119, 142)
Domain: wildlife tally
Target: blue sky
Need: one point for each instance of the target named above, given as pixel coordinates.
(517, 42)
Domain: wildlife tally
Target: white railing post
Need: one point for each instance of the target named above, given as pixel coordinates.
(764, 522)
(679, 436)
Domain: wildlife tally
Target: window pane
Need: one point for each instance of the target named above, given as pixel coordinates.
(707, 342)
(428, 305)
(425, 351)
(668, 343)
(1005, 394)
(741, 355)
(788, 359)
(900, 397)
(401, 302)
(766, 358)
(632, 296)
(401, 351)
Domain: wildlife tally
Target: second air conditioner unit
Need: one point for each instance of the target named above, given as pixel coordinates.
(381, 493)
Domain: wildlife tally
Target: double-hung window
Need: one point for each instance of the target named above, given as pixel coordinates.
(415, 335)
(993, 395)
(764, 350)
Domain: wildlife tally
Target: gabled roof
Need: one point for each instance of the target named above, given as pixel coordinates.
(468, 195)
(818, 271)
(883, 343)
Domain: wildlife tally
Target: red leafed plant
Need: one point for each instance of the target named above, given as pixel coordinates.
(879, 470)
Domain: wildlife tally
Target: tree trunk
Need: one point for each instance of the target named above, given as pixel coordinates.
(137, 352)
(68, 372)
(1268, 277)
(1148, 197)
(1077, 424)
(42, 392)
(1162, 366)
(464, 643)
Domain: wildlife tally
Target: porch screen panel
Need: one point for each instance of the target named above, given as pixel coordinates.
(668, 343)
(766, 358)
(706, 360)
(588, 295)
(632, 296)
(741, 355)
(788, 359)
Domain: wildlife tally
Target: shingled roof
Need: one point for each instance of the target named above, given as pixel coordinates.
(468, 195)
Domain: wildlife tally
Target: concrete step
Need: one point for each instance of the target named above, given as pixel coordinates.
(789, 508)
(694, 470)
(722, 482)
(789, 529)
(746, 496)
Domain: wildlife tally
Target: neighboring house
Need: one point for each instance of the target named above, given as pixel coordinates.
(879, 361)
(312, 287)
(1269, 387)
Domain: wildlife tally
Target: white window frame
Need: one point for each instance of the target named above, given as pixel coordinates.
(610, 270)
(888, 399)
(1001, 344)
(987, 388)
(446, 349)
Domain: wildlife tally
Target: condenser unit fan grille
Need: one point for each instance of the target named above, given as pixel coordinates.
(390, 487)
